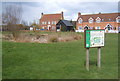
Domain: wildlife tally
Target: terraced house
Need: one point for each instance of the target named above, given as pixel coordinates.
(49, 21)
(107, 21)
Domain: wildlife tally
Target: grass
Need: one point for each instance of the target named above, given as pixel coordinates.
(0, 55)
(62, 60)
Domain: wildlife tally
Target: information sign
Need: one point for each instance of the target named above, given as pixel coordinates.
(94, 38)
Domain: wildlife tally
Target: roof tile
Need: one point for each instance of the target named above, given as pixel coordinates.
(49, 17)
(104, 16)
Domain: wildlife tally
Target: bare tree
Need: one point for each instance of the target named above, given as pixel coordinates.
(11, 16)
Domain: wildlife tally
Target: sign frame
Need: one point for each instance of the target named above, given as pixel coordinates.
(93, 30)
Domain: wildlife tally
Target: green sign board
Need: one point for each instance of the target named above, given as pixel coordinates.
(94, 38)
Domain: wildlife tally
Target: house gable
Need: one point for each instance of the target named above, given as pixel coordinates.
(80, 20)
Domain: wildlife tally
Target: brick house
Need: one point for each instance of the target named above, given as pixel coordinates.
(107, 21)
(49, 21)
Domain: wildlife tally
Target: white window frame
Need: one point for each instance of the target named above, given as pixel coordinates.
(118, 19)
(53, 22)
(98, 20)
(43, 27)
(91, 20)
(53, 27)
(45, 22)
(109, 19)
(80, 20)
(48, 22)
(102, 19)
(98, 27)
(42, 22)
(80, 28)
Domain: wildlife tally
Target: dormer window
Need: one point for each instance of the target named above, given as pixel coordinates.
(118, 19)
(98, 20)
(90, 20)
(80, 20)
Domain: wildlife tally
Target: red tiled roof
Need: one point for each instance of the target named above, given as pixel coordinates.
(49, 17)
(106, 16)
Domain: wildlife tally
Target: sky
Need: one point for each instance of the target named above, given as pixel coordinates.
(32, 9)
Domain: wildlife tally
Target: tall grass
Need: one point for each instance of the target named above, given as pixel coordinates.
(46, 37)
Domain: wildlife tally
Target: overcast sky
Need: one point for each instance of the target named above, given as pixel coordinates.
(32, 10)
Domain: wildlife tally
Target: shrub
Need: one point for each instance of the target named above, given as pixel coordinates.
(77, 37)
(68, 39)
(37, 36)
(53, 39)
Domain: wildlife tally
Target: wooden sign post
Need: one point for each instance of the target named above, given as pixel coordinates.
(94, 39)
(99, 57)
(87, 59)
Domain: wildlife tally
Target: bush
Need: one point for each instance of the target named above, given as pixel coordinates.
(37, 36)
(16, 34)
(53, 39)
(77, 37)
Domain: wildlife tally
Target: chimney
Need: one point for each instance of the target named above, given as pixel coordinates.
(79, 14)
(71, 21)
(99, 12)
(41, 14)
(62, 15)
(62, 12)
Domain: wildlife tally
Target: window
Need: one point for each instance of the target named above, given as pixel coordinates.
(97, 27)
(43, 27)
(42, 22)
(90, 27)
(45, 22)
(118, 28)
(118, 19)
(80, 20)
(53, 27)
(80, 28)
(98, 20)
(53, 22)
(102, 19)
(91, 20)
(48, 22)
(109, 19)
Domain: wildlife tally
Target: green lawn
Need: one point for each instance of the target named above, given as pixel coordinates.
(0, 55)
(59, 60)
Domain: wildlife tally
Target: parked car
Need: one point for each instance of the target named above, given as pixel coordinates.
(43, 29)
